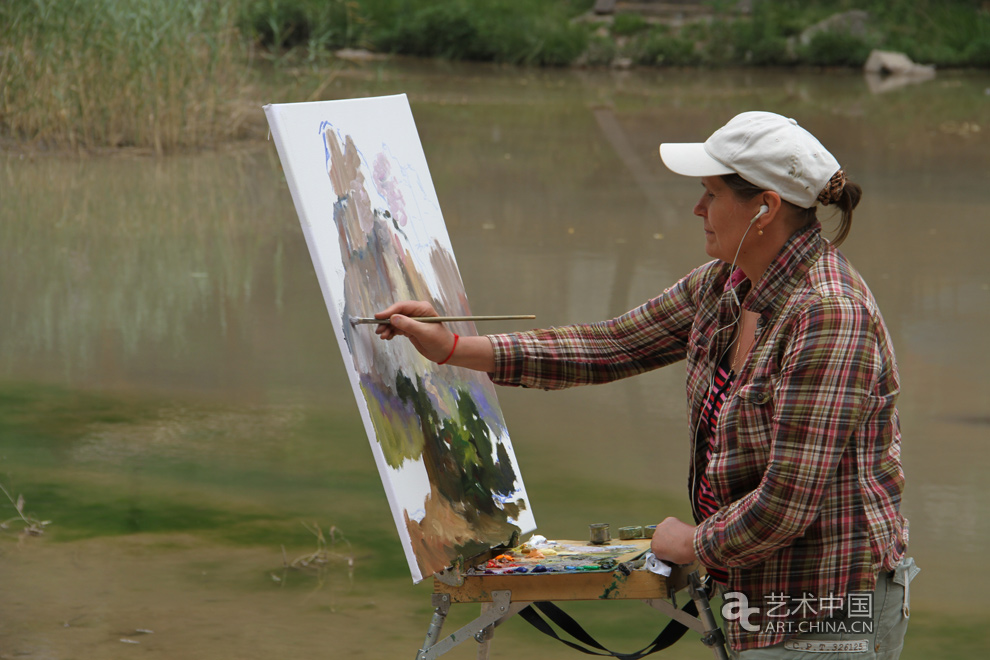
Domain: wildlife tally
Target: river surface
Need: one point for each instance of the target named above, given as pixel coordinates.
(173, 401)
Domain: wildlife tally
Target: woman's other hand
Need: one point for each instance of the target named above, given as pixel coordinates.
(673, 541)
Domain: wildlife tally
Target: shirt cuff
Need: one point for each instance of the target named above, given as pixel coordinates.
(703, 547)
(508, 359)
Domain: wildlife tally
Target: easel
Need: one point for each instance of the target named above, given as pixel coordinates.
(503, 596)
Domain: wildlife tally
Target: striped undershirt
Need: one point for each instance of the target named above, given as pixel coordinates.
(705, 499)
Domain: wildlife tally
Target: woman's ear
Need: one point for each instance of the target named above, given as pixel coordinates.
(772, 201)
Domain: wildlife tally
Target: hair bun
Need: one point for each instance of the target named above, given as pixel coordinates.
(832, 192)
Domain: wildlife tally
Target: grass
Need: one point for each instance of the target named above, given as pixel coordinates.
(319, 562)
(115, 73)
(492, 30)
(535, 32)
(313, 24)
(26, 523)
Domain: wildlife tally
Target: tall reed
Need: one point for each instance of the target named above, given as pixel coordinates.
(111, 73)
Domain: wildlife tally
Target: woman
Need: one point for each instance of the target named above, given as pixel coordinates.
(795, 476)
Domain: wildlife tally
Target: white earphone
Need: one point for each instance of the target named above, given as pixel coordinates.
(763, 209)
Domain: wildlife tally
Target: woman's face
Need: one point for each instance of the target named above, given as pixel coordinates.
(726, 219)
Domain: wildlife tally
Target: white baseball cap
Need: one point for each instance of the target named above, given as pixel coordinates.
(766, 149)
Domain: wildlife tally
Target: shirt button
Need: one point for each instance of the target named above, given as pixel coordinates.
(763, 397)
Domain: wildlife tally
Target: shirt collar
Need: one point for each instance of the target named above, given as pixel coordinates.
(801, 250)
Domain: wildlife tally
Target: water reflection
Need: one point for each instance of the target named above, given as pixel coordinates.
(186, 282)
(115, 262)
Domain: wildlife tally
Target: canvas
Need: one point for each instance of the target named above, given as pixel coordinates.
(368, 209)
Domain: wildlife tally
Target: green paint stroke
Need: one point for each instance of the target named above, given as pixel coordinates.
(618, 579)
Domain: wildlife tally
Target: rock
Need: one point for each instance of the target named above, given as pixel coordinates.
(603, 7)
(887, 70)
(359, 55)
(855, 23)
(888, 62)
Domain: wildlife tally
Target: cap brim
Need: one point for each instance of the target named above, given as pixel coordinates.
(691, 159)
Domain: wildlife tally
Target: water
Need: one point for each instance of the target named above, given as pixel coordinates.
(173, 400)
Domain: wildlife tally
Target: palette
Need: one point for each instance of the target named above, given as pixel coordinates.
(578, 571)
(557, 557)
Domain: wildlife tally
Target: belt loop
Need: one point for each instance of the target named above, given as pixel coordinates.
(906, 607)
(903, 574)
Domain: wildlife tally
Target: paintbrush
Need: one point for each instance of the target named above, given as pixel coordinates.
(442, 319)
(634, 564)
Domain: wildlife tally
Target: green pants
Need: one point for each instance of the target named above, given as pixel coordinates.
(891, 610)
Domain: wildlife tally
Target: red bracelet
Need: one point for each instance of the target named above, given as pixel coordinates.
(453, 348)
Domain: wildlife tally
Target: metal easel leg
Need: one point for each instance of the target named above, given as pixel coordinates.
(484, 637)
(712, 636)
(441, 606)
(479, 630)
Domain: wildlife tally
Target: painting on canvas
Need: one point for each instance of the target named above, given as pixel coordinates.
(372, 221)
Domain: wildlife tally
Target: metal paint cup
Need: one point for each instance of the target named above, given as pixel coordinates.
(626, 533)
(599, 533)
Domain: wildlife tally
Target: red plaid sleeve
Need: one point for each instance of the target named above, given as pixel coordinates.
(651, 336)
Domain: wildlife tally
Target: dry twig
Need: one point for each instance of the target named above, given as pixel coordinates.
(319, 561)
(32, 526)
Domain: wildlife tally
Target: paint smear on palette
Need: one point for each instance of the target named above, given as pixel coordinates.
(377, 236)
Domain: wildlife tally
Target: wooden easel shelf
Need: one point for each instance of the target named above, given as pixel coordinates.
(614, 584)
(503, 596)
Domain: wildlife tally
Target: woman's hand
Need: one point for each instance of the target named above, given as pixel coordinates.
(673, 541)
(433, 340)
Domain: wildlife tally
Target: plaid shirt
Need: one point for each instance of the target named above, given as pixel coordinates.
(806, 457)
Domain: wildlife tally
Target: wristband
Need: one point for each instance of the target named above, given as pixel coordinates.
(452, 349)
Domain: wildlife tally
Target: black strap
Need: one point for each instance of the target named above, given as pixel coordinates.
(670, 634)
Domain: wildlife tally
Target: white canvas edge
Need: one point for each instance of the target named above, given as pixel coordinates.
(272, 113)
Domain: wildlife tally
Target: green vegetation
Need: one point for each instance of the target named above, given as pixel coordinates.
(313, 24)
(85, 463)
(545, 32)
(953, 34)
(661, 47)
(624, 25)
(485, 31)
(538, 32)
(91, 73)
(928, 31)
(170, 75)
